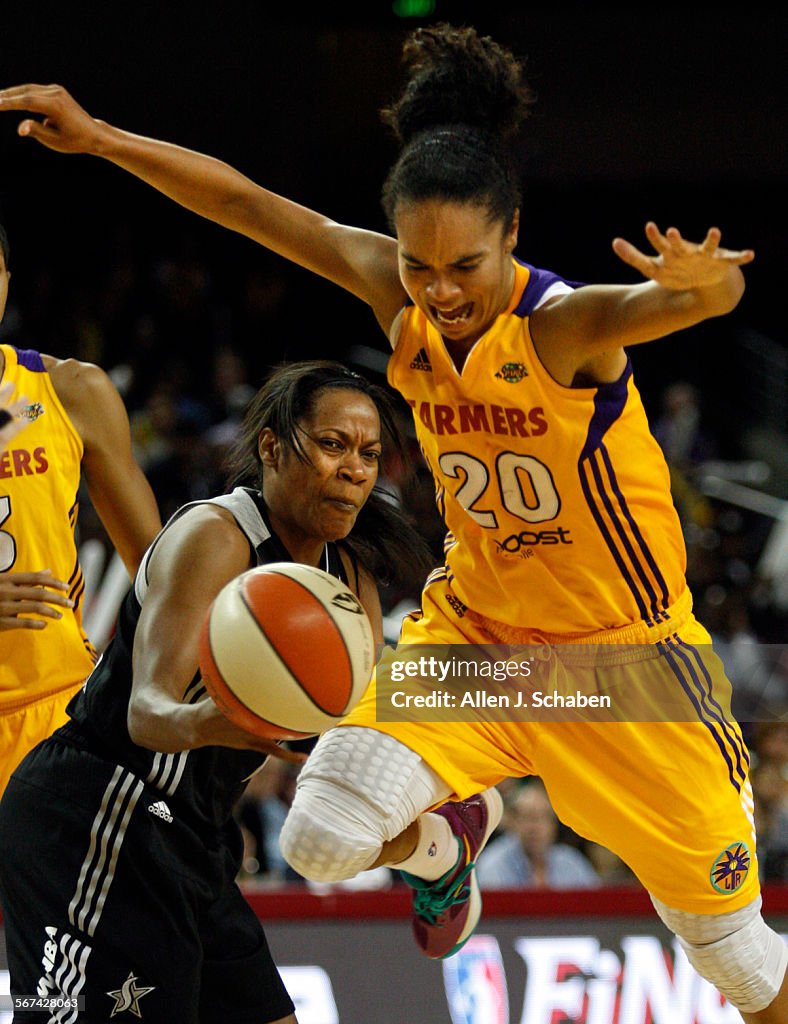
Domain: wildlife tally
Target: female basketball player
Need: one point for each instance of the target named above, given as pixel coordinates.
(118, 852)
(77, 432)
(561, 526)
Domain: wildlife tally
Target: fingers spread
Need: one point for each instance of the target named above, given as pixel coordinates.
(634, 257)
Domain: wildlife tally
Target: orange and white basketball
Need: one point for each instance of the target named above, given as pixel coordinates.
(286, 650)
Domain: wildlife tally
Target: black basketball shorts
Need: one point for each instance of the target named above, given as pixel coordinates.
(109, 899)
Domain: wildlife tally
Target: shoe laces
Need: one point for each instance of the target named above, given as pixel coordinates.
(431, 902)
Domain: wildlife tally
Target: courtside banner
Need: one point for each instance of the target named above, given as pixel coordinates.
(669, 681)
(545, 957)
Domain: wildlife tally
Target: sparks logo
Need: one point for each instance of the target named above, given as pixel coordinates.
(512, 373)
(128, 996)
(731, 868)
(32, 412)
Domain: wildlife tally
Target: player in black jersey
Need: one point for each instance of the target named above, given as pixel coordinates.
(118, 850)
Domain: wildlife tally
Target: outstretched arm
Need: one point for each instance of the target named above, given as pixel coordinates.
(687, 282)
(362, 262)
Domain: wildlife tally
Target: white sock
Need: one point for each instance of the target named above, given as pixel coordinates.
(436, 852)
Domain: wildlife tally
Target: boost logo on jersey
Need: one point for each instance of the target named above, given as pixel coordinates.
(517, 542)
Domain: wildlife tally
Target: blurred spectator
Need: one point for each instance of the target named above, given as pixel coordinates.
(726, 615)
(610, 868)
(770, 793)
(231, 394)
(153, 427)
(527, 853)
(686, 445)
(679, 428)
(261, 813)
(771, 744)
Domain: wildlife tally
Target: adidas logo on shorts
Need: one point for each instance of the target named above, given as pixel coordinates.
(421, 361)
(161, 810)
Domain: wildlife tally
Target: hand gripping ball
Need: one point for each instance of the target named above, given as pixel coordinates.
(286, 650)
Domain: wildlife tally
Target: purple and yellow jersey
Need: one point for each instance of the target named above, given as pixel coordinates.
(39, 481)
(557, 499)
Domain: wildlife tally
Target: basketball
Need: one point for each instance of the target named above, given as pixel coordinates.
(286, 650)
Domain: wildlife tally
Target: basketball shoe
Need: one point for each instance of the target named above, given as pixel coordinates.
(446, 911)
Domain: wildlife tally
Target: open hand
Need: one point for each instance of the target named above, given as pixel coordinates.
(679, 264)
(64, 126)
(36, 594)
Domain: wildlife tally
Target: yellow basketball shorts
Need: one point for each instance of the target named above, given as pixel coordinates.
(662, 781)
(23, 727)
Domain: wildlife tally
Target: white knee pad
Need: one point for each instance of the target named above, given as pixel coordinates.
(737, 952)
(359, 788)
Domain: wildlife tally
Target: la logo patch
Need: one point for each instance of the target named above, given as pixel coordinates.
(512, 373)
(730, 869)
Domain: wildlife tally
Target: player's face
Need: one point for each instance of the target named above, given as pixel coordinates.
(4, 279)
(312, 502)
(455, 263)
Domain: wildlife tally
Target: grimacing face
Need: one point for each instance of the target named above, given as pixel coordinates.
(319, 500)
(455, 264)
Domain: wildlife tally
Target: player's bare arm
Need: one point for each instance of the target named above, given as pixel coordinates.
(362, 262)
(117, 486)
(587, 330)
(191, 563)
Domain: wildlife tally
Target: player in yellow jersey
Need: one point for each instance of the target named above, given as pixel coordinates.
(562, 536)
(76, 424)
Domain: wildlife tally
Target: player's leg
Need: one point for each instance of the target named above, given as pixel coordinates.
(375, 793)
(356, 796)
(739, 954)
(93, 910)
(363, 800)
(239, 981)
(672, 798)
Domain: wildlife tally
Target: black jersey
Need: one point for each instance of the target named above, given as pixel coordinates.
(202, 784)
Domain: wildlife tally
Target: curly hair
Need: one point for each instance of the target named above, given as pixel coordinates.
(463, 102)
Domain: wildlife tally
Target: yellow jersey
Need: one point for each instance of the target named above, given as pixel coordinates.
(39, 482)
(557, 499)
